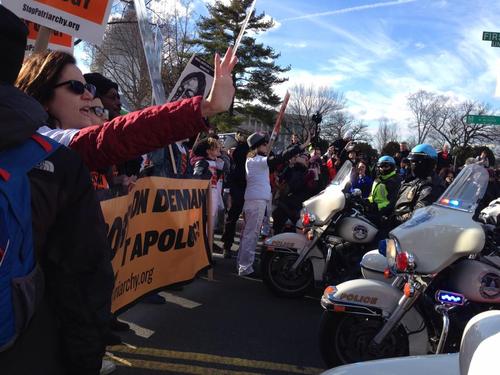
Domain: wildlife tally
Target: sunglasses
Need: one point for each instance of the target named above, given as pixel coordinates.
(385, 165)
(100, 111)
(78, 87)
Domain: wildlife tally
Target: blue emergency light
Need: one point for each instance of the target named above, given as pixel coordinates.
(450, 298)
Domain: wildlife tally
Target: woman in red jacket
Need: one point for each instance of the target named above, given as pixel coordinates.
(56, 82)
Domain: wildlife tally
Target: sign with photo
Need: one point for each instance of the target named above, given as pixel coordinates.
(195, 80)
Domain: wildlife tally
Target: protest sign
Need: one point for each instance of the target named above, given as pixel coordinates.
(196, 79)
(150, 52)
(279, 120)
(157, 236)
(57, 42)
(85, 19)
(243, 27)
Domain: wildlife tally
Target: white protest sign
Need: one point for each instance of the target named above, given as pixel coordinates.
(150, 51)
(196, 80)
(85, 19)
(244, 27)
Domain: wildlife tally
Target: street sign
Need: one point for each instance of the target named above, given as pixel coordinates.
(490, 35)
(489, 120)
(495, 43)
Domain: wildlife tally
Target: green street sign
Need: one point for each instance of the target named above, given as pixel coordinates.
(495, 43)
(490, 35)
(488, 120)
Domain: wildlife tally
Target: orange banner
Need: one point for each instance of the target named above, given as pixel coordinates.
(91, 10)
(157, 234)
(56, 37)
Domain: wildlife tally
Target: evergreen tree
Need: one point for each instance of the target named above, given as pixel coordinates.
(257, 71)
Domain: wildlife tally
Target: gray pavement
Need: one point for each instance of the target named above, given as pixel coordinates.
(228, 325)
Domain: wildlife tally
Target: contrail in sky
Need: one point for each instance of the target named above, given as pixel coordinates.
(348, 10)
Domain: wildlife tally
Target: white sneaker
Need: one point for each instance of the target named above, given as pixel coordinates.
(107, 367)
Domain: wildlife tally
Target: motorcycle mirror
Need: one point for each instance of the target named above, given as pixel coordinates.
(356, 193)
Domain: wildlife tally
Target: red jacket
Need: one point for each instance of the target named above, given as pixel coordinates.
(126, 137)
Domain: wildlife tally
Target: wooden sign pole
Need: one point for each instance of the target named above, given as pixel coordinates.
(42, 40)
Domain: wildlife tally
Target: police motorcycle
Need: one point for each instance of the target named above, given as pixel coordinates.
(477, 356)
(334, 237)
(446, 269)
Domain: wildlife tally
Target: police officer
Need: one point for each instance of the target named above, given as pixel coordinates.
(386, 186)
(425, 187)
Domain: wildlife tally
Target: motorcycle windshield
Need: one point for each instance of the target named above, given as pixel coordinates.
(466, 190)
(343, 176)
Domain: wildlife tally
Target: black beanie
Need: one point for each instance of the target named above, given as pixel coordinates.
(101, 83)
(13, 38)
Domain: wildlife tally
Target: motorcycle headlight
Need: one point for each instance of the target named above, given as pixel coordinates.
(397, 259)
(391, 251)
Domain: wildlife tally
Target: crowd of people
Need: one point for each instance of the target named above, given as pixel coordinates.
(92, 150)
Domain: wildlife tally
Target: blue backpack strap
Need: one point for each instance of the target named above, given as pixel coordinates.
(17, 258)
(15, 163)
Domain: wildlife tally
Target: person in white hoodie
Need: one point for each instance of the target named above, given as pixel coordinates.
(258, 194)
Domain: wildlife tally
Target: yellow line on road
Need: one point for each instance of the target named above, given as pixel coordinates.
(182, 369)
(210, 358)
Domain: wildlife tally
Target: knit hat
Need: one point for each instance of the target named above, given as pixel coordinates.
(101, 83)
(257, 139)
(13, 38)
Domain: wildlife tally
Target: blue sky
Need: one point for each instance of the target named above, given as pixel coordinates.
(378, 52)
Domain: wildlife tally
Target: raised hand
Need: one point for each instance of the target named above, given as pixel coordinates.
(221, 95)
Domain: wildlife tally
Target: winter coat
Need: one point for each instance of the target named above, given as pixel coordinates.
(162, 162)
(236, 178)
(385, 192)
(364, 184)
(415, 194)
(129, 136)
(66, 333)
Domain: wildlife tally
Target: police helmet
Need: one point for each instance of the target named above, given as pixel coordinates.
(423, 151)
(386, 164)
(423, 160)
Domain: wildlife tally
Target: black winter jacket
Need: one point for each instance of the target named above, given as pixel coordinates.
(416, 194)
(65, 335)
(237, 176)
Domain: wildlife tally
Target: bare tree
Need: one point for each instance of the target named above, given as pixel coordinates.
(387, 132)
(306, 101)
(426, 108)
(339, 123)
(454, 129)
(121, 56)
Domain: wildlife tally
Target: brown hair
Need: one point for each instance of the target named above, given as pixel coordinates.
(213, 143)
(41, 72)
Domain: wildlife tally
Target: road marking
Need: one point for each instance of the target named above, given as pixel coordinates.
(177, 368)
(183, 302)
(119, 360)
(139, 331)
(211, 358)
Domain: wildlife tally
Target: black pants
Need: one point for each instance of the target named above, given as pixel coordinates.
(237, 201)
(287, 208)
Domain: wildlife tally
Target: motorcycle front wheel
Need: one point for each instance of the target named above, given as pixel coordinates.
(345, 338)
(277, 274)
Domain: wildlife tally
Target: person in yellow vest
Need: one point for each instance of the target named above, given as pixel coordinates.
(385, 187)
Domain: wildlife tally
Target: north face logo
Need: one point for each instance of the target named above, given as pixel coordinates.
(46, 166)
